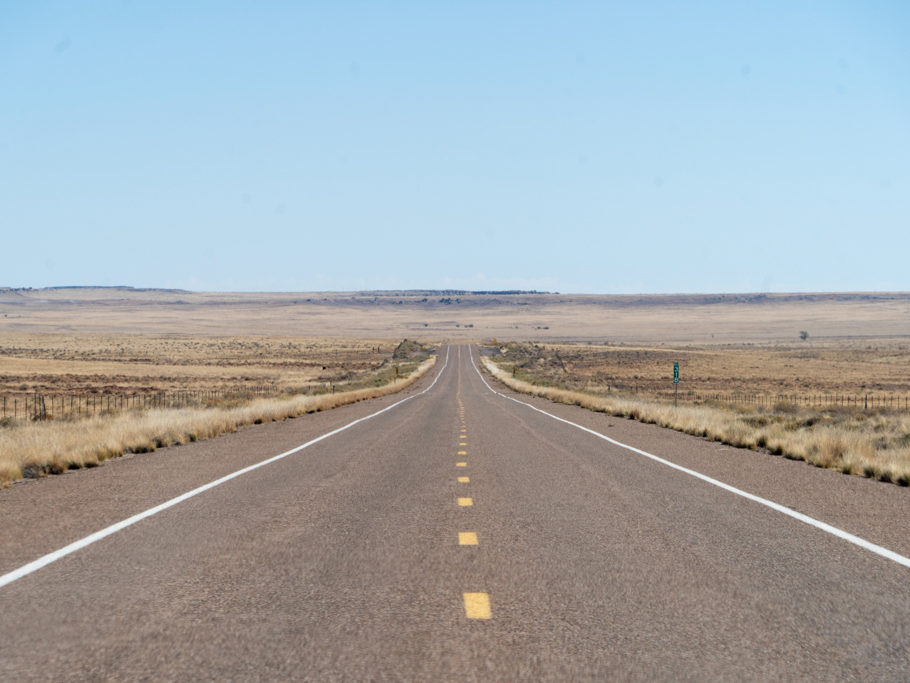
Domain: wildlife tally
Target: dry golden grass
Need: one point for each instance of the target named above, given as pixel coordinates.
(874, 445)
(70, 364)
(37, 448)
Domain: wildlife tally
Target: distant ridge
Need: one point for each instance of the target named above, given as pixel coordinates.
(448, 292)
(124, 288)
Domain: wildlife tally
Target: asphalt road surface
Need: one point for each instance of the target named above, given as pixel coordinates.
(458, 535)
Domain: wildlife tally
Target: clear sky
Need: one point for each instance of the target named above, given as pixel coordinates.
(566, 146)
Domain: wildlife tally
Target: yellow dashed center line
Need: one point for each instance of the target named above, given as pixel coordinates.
(467, 538)
(477, 605)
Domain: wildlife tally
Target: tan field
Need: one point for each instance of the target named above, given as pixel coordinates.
(52, 363)
(646, 319)
(65, 439)
(850, 367)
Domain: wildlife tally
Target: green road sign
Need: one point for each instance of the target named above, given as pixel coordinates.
(675, 373)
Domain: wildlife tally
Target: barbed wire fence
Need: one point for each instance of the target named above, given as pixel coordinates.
(73, 405)
(860, 401)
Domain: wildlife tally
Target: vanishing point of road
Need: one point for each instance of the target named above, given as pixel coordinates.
(454, 532)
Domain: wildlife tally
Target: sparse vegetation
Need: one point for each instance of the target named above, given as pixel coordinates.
(406, 349)
(85, 374)
(844, 367)
(872, 444)
(40, 448)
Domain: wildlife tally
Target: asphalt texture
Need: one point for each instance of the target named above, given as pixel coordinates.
(353, 559)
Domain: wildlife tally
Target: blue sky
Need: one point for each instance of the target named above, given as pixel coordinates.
(570, 146)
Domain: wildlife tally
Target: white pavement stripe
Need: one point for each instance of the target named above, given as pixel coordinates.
(34, 566)
(833, 530)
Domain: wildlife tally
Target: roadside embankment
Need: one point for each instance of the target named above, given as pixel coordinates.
(34, 449)
(873, 445)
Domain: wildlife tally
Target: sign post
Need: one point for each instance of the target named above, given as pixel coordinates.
(675, 384)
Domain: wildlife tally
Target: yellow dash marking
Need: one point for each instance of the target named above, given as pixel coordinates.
(467, 538)
(461, 464)
(462, 453)
(477, 605)
(464, 480)
(462, 443)
(465, 502)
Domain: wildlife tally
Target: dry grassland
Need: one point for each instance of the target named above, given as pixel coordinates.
(872, 443)
(817, 368)
(650, 319)
(136, 364)
(303, 375)
(39, 448)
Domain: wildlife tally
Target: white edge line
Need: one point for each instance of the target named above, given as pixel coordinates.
(34, 566)
(811, 521)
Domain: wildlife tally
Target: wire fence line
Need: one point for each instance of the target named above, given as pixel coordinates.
(864, 401)
(42, 406)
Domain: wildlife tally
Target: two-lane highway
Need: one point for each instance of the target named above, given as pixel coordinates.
(456, 535)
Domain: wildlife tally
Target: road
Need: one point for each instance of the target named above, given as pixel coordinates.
(457, 535)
